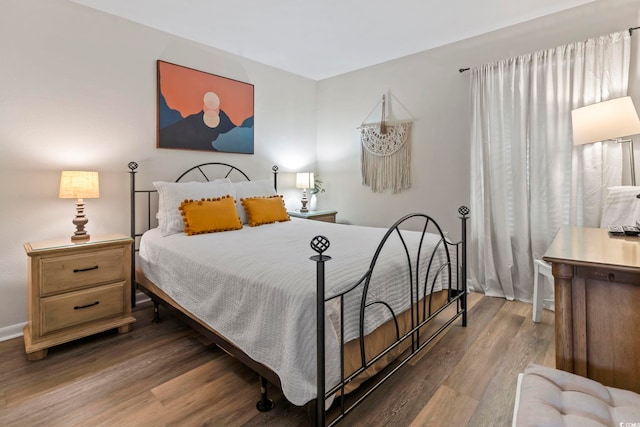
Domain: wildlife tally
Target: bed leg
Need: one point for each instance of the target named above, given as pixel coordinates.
(463, 302)
(156, 312)
(464, 211)
(264, 404)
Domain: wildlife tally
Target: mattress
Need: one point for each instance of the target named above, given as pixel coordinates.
(257, 285)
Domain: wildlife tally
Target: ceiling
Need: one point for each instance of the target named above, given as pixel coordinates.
(324, 38)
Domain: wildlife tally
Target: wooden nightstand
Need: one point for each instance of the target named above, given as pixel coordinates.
(326, 216)
(76, 289)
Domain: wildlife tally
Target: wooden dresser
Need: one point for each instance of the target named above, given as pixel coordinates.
(597, 305)
(76, 289)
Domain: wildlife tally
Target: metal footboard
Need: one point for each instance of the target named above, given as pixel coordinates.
(421, 290)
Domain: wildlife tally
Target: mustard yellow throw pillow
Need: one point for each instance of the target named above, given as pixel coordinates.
(210, 215)
(265, 210)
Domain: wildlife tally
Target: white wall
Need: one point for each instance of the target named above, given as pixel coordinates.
(436, 95)
(78, 91)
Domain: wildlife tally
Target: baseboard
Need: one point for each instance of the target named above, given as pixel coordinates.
(141, 297)
(15, 331)
(10, 332)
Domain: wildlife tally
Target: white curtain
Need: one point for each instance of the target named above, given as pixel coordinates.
(527, 178)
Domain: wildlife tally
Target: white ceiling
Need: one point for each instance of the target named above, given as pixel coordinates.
(324, 38)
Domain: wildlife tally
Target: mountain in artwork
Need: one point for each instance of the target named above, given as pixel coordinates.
(167, 115)
(192, 133)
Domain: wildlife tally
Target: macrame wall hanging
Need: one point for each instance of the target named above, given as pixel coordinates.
(385, 153)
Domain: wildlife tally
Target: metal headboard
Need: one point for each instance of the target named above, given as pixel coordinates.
(225, 170)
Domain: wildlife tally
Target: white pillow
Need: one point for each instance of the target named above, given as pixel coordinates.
(171, 194)
(245, 189)
(621, 207)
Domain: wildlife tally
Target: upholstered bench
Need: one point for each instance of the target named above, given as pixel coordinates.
(550, 397)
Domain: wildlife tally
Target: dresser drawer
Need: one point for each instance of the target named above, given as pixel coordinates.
(64, 273)
(75, 308)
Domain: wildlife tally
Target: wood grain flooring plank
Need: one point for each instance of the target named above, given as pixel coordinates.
(143, 410)
(439, 408)
(484, 357)
(472, 300)
(70, 402)
(529, 345)
(191, 396)
(97, 353)
(401, 398)
(166, 375)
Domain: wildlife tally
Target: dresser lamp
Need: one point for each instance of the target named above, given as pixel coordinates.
(608, 120)
(304, 180)
(79, 185)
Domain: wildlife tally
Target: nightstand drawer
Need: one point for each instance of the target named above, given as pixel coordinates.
(326, 216)
(70, 272)
(75, 308)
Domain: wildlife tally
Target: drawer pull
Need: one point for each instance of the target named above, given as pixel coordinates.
(80, 270)
(80, 307)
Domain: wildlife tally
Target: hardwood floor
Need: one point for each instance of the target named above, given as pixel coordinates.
(166, 375)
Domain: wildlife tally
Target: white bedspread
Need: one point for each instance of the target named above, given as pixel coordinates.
(256, 286)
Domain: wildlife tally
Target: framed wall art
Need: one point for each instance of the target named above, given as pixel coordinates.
(202, 111)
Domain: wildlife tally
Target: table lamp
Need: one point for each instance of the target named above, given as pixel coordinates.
(79, 185)
(304, 180)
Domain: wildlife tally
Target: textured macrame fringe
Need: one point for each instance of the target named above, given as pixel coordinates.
(386, 157)
(387, 172)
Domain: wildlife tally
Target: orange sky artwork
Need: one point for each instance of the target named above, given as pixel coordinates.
(184, 89)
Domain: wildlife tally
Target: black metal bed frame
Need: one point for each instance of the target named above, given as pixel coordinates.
(419, 292)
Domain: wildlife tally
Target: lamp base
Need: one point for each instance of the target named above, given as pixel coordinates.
(80, 221)
(304, 201)
(80, 238)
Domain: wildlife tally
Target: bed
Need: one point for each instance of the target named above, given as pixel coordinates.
(266, 293)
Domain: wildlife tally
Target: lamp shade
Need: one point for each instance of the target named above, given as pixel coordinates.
(610, 119)
(79, 185)
(304, 180)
